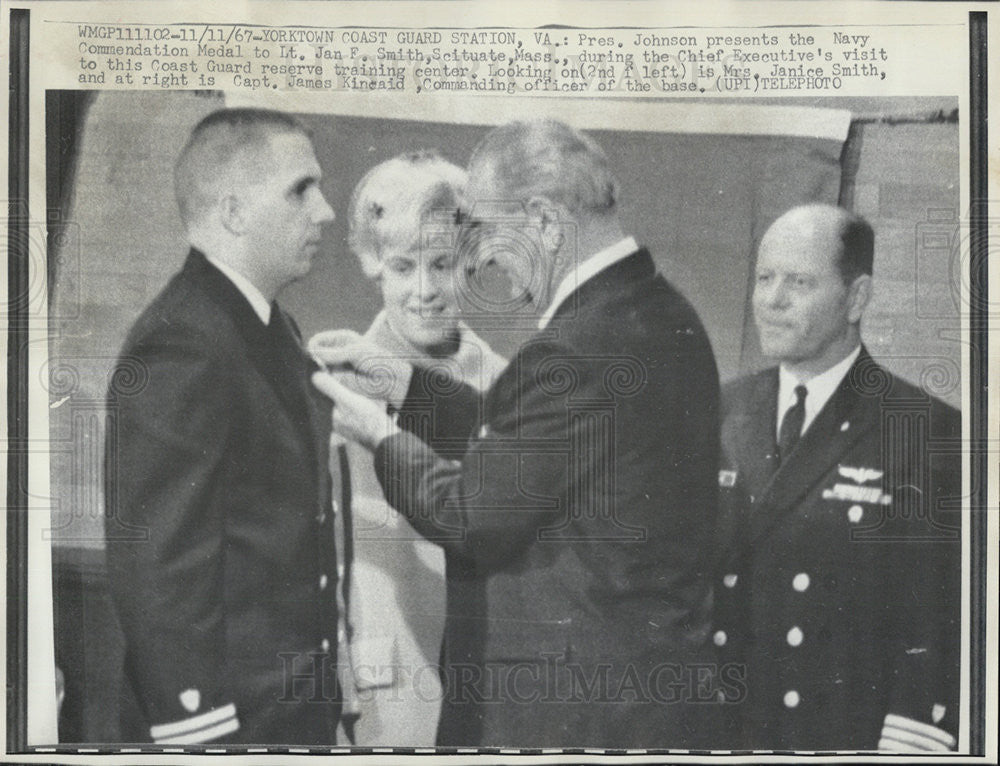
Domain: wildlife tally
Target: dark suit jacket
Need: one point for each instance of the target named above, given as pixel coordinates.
(219, 455)
(840, 587)
(578, 523)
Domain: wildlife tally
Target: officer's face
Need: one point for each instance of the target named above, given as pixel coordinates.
(801, 305)
(285, 208)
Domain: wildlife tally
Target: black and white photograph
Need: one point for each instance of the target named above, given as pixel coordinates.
(524, 422)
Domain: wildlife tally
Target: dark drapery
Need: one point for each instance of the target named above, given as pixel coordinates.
(65, 113)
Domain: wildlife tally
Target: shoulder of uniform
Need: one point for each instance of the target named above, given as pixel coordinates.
(941, 411)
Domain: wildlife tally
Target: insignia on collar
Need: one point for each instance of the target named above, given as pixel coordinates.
(855, 494)
(727, 478)
(860, 475)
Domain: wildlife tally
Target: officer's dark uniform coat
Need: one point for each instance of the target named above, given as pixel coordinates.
(839, 589)
(217, 457)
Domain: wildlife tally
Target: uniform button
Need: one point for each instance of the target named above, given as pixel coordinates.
(321, 517)
(340, 571)
(341, 636)
(323, 581)
(792, 698)
(801, 582)
(730, 580)
(325, 645)
(854, 513)
(795, 636)
(720, 638)
(336, 506)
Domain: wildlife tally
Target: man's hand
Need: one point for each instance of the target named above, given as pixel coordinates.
(324, 346)
(355, 417)
(362, 365)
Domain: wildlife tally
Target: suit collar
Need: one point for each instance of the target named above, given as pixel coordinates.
(257, 301)
(286, 367)
(849, 415)
(634, 266)
(819, 387)
(207, 278)
(585, 270)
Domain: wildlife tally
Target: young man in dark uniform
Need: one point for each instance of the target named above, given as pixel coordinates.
(221, 456)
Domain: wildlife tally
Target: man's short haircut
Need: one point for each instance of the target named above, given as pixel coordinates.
(550, 159)
(392, 202)
(216, 144)
(857, 252)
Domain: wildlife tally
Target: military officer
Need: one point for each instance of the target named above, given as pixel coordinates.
(221, 458)
(839, 594)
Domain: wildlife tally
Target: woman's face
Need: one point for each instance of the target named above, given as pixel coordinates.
(418, 291)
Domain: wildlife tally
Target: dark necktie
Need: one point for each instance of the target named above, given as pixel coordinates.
(287, 362)
(791, 424)
(277, 329)
(284, 343)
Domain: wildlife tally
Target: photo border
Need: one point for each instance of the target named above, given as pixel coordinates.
(18, 217)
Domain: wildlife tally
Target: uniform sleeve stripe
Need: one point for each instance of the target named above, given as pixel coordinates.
(203, 735)
(916, 740)
(921, 728)
(177, 728)
(890, 745)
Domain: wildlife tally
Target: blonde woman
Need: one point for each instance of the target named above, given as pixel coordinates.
(401, 220)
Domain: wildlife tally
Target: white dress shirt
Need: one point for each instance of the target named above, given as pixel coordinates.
(584, 271)
(820, 388)
(258, 302)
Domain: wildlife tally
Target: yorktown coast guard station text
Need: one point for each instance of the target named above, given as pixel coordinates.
(654, 62)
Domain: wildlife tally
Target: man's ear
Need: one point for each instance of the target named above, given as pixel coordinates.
(858, 295)
(231, 214)
(551, 219)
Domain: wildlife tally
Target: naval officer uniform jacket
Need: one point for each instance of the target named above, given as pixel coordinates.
(216, 460)
(838, 595)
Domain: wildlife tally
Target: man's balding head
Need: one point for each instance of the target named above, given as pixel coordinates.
(813, 281)
(830, 229)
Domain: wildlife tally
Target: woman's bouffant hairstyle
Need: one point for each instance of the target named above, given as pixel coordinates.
(393, 199)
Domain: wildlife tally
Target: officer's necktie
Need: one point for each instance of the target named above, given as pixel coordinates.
(791, 424)
(285, 345)
(277, 329)
(288, 362)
